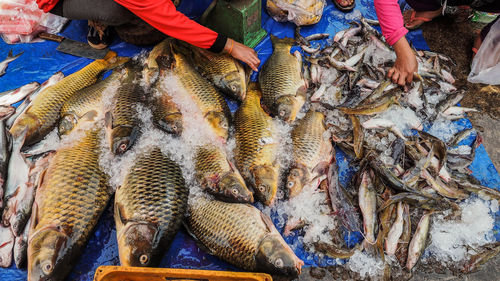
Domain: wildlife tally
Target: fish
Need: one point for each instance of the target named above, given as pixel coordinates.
(18, 205)
(241, 235)
(340, 201)
(368, 206)
(17, 167)
(283, 86)
(5, 152)
(58, 76)
(218, 175)
(391, 243)
(72, 196)
(334, 251)
(21, 248)
(377, 123)
(121, 121)
(7, 240)
(418, 242)
(43, 113)
(5, 63)
(18, 94)
(358, 136)
(317, 36)
(224, 71)
(149, 208)
(166, 114)
(371, 109)
(442, 188)
(151, 68)
(312, 153)
(450, 100)
(404, 240)
(209, 100)
(86, 103)
(476, 261)
(256, 147)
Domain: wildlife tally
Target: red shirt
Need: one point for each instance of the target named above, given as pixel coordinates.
(163, 15)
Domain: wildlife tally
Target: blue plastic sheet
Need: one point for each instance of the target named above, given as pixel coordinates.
(41, 60)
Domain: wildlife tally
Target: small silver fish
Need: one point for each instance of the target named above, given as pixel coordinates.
(7, 60)
(18, 94)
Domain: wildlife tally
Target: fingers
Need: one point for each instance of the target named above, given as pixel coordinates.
(390, 72)
(409, 78)
(402, 79)
(395, 77)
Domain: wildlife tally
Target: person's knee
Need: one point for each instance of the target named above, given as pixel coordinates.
(104, 11)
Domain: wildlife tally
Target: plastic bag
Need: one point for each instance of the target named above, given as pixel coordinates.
(486, 64)
(300, 12)
(22, 20)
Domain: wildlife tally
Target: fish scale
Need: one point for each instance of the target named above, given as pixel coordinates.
(43, 113)
(256, 148)
(218, 176)
(252, 126)
(85, 100)
(127, 95)
(230, 231)
(70, 200)
(242, 235)
(154, 192)
(311, 152)
(307, 137)
(281, 76)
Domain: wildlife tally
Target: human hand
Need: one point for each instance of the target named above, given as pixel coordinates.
(243, 53)
(406, 64)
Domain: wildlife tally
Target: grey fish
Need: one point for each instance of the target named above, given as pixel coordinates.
(21, 248)
(7, 60)
(6, 245)
(18, 94)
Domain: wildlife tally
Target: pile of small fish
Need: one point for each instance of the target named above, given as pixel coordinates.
(339, 99)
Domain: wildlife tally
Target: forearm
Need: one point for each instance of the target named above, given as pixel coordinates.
(163, 15)
(391, 20)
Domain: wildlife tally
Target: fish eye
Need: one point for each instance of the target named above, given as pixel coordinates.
(290, 184)
(262, 188)
(143, 259)
(174, 127)
(47, 268)
(282, 113)
(234, 191)
(123, 146)
(278, 263)
(223, 125)
(233, 87)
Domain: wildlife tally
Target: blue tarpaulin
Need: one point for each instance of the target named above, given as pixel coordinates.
(41, 60)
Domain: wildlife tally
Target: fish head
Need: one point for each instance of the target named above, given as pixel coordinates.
(67, 123)
(275, 256)
(287, 108)
(265, 183)
(44, 260)
(219, 123)
(172, 123)
(138, 244)
(296, 180)
(235, 84)
(122, 138)
(234, 188)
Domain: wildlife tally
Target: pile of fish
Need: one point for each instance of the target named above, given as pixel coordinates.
(196, 164)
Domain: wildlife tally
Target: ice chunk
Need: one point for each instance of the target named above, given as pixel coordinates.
(365, 264)
(454, 240)
(443, 129)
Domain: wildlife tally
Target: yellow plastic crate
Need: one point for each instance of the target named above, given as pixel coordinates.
(122, 273)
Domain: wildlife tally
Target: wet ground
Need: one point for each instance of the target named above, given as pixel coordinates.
(453, 36)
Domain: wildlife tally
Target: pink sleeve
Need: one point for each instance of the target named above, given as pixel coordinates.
(391, 20)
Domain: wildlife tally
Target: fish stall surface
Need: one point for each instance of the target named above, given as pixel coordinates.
(255, 188)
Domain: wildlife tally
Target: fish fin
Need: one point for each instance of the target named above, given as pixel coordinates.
(286, 41)
(267, 221)
(108, 119)
(165, 61)
(9, 55)
(12, 57)
(119, 218)
(90, 115)
(34, 217)
(321, 168)
(198, 242)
